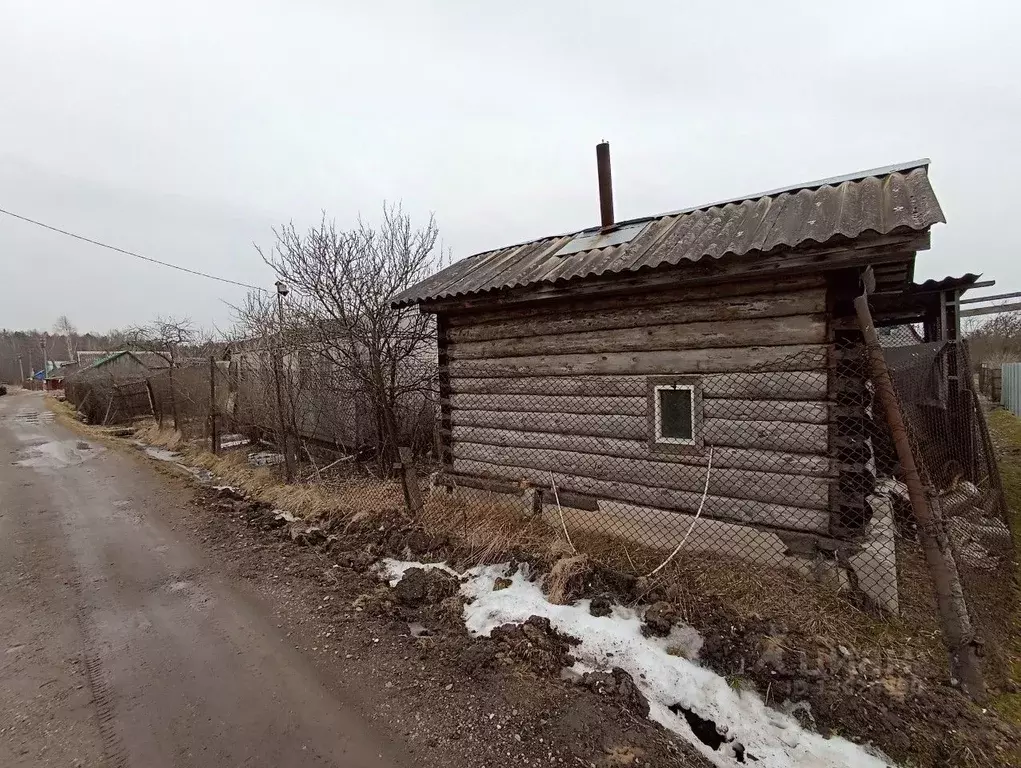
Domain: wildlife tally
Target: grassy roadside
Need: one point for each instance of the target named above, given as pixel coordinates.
(1005, 430)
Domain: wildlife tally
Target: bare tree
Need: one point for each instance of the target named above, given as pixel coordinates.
(267, 352)
(165, 338)
(995, 338)
(64, 327)
(346, 281)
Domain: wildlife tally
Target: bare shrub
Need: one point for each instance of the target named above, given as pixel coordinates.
(345, 281)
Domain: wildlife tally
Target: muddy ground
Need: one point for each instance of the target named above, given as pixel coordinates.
(494, 701)
(143, 623)
(489, 701)
(329, 591)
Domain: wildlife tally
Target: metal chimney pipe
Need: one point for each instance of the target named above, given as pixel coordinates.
(605, 185)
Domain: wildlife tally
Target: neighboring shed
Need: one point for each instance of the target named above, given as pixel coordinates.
(119, 364)
(603, 365)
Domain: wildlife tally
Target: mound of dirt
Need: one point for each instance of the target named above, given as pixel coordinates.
(533, 644)
(879, 698)
(659, 619)
(619, 684)
(425, 586)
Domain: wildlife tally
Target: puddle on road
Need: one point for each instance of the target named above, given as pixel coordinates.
(58, 453)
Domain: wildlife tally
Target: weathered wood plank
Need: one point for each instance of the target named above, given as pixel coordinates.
(680, 309)
(802, 491)
(765, 435)
(797, 411)
(720, 508)
(799, 385)
(768, 435)
(807, 411)
(801, 357)
(771, 331)
(599, 425)
(663, 294)
(724, 458)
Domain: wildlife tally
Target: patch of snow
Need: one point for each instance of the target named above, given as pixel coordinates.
(233, 441)
(161, 454)
(283, 514)
(265, 458)
(668, 679)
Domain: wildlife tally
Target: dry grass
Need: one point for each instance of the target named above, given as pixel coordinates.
(563, 575)
(1005, 430)
(489, 531)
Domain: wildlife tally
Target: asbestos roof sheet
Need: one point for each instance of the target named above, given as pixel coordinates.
(947, 283)
(878, 201)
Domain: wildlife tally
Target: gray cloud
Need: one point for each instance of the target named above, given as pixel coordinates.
(186, 131)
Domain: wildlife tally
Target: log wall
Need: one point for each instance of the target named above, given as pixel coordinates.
(564, 389)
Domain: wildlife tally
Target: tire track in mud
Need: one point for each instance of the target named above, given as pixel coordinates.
(114, 753)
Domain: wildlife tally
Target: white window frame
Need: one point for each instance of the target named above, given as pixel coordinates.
(658, 414)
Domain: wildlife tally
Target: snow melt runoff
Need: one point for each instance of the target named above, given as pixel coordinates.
(683, 696)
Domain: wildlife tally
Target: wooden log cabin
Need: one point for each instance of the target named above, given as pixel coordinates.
(607, 367)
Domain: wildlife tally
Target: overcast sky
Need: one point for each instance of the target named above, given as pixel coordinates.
(186, 130)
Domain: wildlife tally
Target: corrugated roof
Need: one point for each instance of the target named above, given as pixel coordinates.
(880, 201)
(947, 283)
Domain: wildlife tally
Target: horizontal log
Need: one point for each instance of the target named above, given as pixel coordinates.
(449, 480)
(568, 499)
(724, 458)
(621, 406)
(716, 507)
(805, 411)
(765, 435)
(772, 331)
(799, 385)
(795, 357)
(800, 491)
(681, 310)
(648, 298)
(768, 435)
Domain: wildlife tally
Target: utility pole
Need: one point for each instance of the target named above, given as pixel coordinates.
(42, 346)
(21, 368)
(278, 364)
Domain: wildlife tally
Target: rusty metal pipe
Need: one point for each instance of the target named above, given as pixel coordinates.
(605, 185)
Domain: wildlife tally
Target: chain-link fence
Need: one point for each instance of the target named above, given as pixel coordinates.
(784, 468)
(949, 434)
(772, 466)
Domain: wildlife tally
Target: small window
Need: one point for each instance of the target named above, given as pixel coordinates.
(675, 414)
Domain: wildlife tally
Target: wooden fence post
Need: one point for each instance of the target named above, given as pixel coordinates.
(409, 479)
(214, 432)
(285, 441)
(960, 640)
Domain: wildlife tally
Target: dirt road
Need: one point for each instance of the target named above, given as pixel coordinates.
(119, 647)
(145, 622)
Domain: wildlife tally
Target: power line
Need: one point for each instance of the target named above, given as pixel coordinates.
(131, 253)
